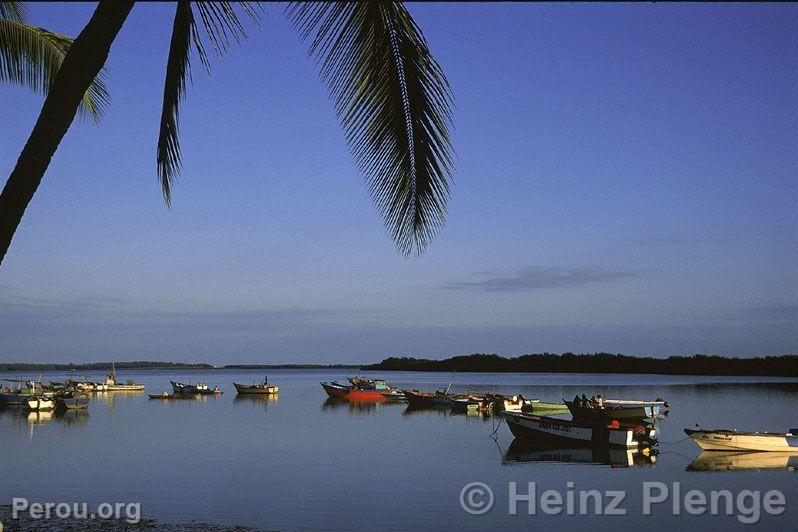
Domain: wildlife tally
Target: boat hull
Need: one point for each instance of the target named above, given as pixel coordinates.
(125, 388)
(539, 428)
(353, 394)
(607, 414)
(724, 440)
(72, 403)
(13, 399)
(39, 404)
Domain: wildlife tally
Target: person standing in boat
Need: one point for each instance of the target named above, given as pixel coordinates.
(600, 402)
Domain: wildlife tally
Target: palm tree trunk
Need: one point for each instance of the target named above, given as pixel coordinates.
(81, 65)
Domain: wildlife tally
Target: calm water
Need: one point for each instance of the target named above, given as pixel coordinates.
(297, 462)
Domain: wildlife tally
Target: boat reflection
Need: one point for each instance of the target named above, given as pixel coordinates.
(524, 451)
(743, 461)
(357, 407)
(39, 418)
(73, 417)
(262, 399)
(447, 411)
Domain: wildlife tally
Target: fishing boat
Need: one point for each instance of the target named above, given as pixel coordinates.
(200, 388)
(743, 461)
(112, 385)
(366, 390)
(256, 389)
(732, 440)
(542, 428)
(419, 399)
(166, 395)
(628, 410)
(19, 396)
(40, 403)
(72, 402)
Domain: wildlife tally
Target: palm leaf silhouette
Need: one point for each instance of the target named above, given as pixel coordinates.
(394, 103)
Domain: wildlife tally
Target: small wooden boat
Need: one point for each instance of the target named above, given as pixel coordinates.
(111, 384)
(732, 440)
(199, 388)
(363, 390)
(166, 395)
(19, 396)
(744, 461)
(541, 428)
(40, 404)
(256, 389)
(72, 402)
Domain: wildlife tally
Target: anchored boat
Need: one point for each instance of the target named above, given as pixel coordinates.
(731, 440)
(112, 385)
(41, 403)
(193, 389)
(365, 390)
(256, 389)
(541, 428)
(615, 409)
(72, 402)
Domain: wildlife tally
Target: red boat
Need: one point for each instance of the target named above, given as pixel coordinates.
(361, 390)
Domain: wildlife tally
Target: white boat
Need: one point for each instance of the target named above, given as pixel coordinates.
(41, 404)
(541, 428)
(732, 440)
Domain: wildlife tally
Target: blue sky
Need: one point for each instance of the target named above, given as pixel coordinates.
(626, 182)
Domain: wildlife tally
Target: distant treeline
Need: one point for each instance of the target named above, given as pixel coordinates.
(293, 366)
(780, 366)
(100, 366)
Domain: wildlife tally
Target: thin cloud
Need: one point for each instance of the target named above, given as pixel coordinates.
(538, 277)
(788, 312)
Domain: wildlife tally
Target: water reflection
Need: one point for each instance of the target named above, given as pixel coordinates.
(743, 461)
(112, 398)
(357, 407)
(447, 411)
(73, 417)
(256, 399)
(598, 455)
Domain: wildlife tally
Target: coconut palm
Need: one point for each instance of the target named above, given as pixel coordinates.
(31, 56)
(390, 94)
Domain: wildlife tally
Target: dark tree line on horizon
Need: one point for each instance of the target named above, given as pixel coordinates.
(777, 366)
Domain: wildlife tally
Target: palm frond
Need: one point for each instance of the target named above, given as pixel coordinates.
(221, 22)
(16, 11)
(394, 103)
(31, 57)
